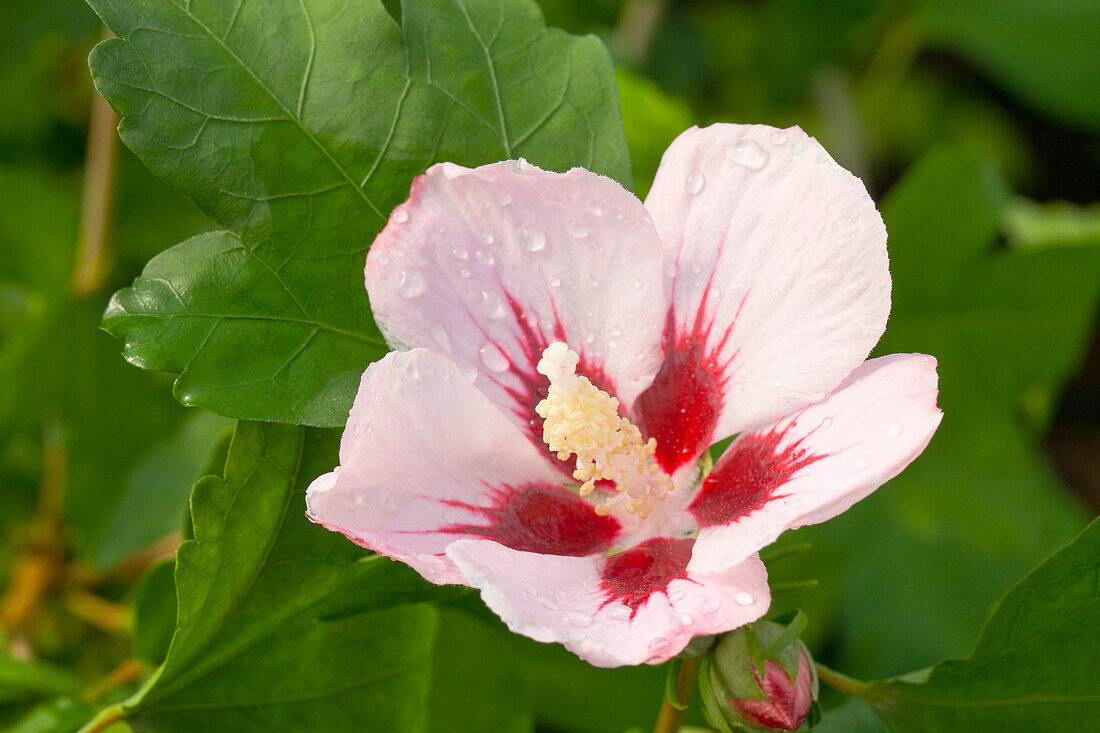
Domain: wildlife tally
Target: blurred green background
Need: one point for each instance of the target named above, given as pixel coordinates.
(976, 126)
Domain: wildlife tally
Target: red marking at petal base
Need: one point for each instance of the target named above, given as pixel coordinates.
(747, 476)
(681, 407)
(634, 575)
(542, 518)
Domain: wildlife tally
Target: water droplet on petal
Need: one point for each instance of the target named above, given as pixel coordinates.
(826, 423)
(748, 154)
(743, 599)
(549, 603)
(582, 199)
(677, 596)
(685, 619)
(670, 268)
(411, 285)
(502, 198)
(577, 228)
(464, 272)
(493, 358)
(491, 305)
(779, 137)
(694, 183)
(893, 431)
(619, 612)
(400, 215)
(778, 383)
(860, 464)
(487, 238)
(460, 253)
(711, 605)
(578, 620)
(485, 257)
(532, 240)
(658, 645)
(554, 281)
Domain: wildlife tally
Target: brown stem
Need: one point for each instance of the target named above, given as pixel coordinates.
(671, 716)
(126, 672)
(99, 192)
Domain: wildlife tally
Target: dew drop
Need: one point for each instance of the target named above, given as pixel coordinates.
(677, 596)
(619, 612)
(779, 137)
(487, 238)
(670, 268)
(860, 464)
(532, 240)
(187, 398)
(578, 620)
(502, 198)
(464, 272)
(493, 358)
(491, 305)
(400, 215)
(363, 429)
(460, 253)
(549, 603)
(748, 154)
(778, 383)
(577, 228)
(893, 431)
(686, 620)
(411, 284)
(711, 605)
(582, 200)
(743, 599)
(694, 183)
(658, 645)
(826, 423)
(485, 257)
(554, 281)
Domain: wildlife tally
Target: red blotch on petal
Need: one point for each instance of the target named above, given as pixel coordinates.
(634, 575)
(746, 477)
(681, 407)
(543, 518)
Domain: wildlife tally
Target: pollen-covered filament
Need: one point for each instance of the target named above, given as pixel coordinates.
(583, 421)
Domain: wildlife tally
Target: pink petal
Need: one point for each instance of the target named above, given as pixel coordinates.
(815, 464)
(777, 262)
(426, 459)
(610, 620)
(488, 266)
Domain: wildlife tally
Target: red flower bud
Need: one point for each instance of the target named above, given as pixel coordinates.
(788, 702)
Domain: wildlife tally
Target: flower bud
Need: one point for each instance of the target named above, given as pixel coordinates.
(777, 698)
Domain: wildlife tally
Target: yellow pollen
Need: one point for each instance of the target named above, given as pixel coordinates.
(582, 420)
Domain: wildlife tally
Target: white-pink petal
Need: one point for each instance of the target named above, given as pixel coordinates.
(488, 266)
(422, 454)
(779, 275)
(815, 464)
(570, 600)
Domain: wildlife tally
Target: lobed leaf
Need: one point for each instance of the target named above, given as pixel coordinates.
(298, 125)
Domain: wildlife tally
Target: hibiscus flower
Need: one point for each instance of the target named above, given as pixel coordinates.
(565, 356)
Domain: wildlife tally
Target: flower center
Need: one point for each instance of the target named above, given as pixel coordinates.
(582, 420)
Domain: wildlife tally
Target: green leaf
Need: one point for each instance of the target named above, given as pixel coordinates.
(21, 680)
(478, 679)
(282, 624)
(298, 125)
(1034, 667)
(1045, 51)
(158, 488)
(981, 506)
(60, 715)
(155, 612)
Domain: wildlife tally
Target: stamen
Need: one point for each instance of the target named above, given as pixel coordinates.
(583, 421)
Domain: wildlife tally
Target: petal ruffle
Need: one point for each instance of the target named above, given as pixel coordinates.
(488, 266)
(426, 459)
(815, 464)
(577, 602)
(778, 269)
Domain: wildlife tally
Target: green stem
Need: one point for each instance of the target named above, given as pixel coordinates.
(672, 712)
(843, 683)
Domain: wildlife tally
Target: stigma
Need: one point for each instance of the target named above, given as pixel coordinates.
(582, 420)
